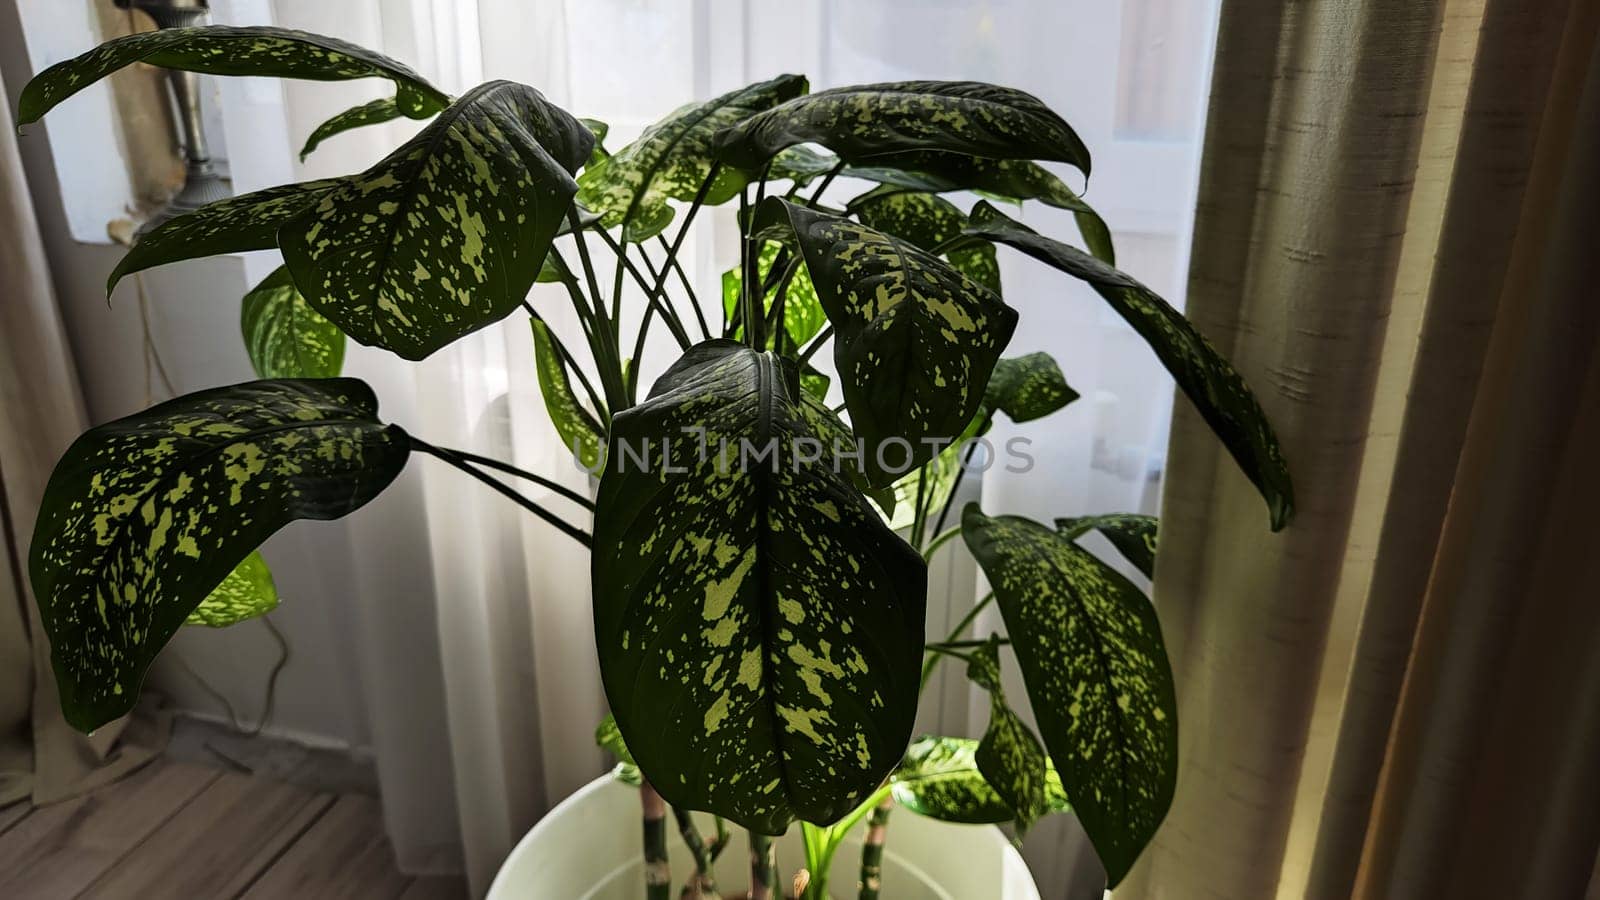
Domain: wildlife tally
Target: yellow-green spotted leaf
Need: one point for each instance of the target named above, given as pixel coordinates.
(1209, 381)
(914, 340)
(865, 121)
(939, 778)
(672, 159)
(759, 627)
(802, 310)
(143, 517)
(580, 433)
(447, 234)
(1133, 535)
(235, 225)
(1009, 756)
(246, 593)
(801, 165)
(1097, 675)
(927, 220)
(1028, 387)
(226, 50)
(284, 336)
(376, 112)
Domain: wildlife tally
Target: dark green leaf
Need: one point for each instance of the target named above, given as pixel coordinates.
(1028, 387)
(145, 516)
(246, 593)
(445, 235)
(759, 628)
(580, 433)
(866, 121)
(1216, 390)
(927, 221)
(383, 109)
(1009, 756)
(939, 778)
(235, 225)
(1096, 671)
(1134, 536)
(284, 336)
(914, 340)
(673, 157)
(224, 50)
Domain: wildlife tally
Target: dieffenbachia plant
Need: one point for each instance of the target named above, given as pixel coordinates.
(759, 610)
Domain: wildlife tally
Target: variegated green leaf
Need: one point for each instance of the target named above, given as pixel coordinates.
(1210, 382)
(225, 50)
(143, 517)
(673, 157)
(1027, 387)
(609, 737)
(447, 233)
(246, 593)
(284, 336)
(1097, 675)
(235, 225)
(802, 310)
(927, 220)
(914, 340)
(759, 628)
(837, 438)
(376, 112)
(939, 778)
(1133, 535)
(801, 165)
(580, 433)
(599, 129)
(865, 121)
(940, 472)
(1009, 756)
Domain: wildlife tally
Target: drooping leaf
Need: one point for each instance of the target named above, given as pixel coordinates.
(914, 340)
(1097, 675)
(1133, 535)
(928, 220)
(143, 517)
(1009, 756)
(580, 433)
(759, 628)
(673, 157)
(284, 336)
(803, 316)
(1210, 382)
(235, 225)
(939, 778)
(1028, 387)
(375, 112)
(447, 233)
(226, 50)
(865, 121)
(246, 593)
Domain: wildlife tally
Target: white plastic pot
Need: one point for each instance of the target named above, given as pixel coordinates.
(588, 848)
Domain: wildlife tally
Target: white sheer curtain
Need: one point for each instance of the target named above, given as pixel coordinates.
(512, 664)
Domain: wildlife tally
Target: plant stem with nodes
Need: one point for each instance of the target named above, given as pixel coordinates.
(872, 850)
(703, 883)
(763, 868)
(453, 459)
(657, 873)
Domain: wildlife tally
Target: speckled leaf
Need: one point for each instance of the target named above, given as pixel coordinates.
(376, 112)
(672, 158)
(1097, 675)
(759, 628)
(870, 120)
(801, 165)
(144, 516)
(802, 310)
(1210, 382)
(1133, 535)
(225, 50)
(1009, 756)
(447, 233)
(235, 225)
(927, 220)
(246, 593)
(939, 778)
(914, 341)
(580, 433)
(1028, 387)
(284, 336)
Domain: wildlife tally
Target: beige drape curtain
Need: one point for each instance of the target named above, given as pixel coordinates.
(41, 758)
(1399, 695)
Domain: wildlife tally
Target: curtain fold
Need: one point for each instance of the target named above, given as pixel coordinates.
(1387, 244)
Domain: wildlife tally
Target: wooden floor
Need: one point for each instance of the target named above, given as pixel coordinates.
(182, 831)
